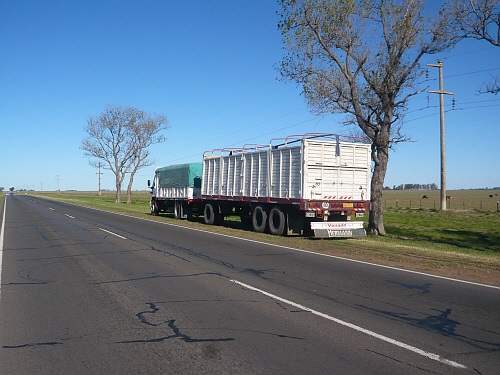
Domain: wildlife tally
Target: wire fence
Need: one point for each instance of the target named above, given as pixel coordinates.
(451, 204)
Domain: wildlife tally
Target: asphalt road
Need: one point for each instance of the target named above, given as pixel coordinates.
(90, 292)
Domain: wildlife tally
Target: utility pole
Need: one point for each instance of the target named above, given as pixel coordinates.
(441, 93)
(57, 178)
(41, 185)
(99, 173)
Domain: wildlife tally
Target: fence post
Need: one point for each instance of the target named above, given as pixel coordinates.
(481, 205)
(497, 206)
(397, 200)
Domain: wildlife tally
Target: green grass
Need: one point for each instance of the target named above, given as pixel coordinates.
(469, 232)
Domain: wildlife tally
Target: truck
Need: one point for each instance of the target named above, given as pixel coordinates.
(306, 184)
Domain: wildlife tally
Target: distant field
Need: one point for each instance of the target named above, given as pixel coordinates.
(460, 199)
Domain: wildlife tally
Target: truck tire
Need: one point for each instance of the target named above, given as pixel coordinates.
(208, 214)
(178, 211)
(212, 215)
(154, 208)
(259, 219)
(277, 221)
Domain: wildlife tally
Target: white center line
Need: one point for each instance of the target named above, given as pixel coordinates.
(2, 231)
(429, 355)
(69, 216)
(50, 208)
(114, 234)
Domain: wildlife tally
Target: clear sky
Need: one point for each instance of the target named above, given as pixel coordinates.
(209, 66)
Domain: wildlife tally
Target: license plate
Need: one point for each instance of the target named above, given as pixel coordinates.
(360, 214)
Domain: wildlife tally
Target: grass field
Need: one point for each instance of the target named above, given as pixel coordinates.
(458, 242)
(479, 200)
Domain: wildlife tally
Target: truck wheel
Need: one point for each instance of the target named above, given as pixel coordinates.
(209, 214)
(277, 221)
(178, 211)
(259, 219)
(154, 209)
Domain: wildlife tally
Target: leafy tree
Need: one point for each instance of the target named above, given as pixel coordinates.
(478, 19)
(120, 136)
(361, 58)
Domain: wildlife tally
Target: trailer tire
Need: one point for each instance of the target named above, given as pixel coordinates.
(277, 221)
(208, 214)
(259, 219)
(178, 211)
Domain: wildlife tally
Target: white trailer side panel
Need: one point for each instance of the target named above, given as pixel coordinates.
(178, 193)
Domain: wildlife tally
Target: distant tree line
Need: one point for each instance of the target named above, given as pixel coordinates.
(432, 186)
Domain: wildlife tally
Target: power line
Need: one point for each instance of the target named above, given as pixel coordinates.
(240, 130)
(453, 109)
(250, 139)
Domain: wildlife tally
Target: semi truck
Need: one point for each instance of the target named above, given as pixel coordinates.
(299, 185)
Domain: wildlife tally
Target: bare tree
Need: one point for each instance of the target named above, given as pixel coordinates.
(144, 134)
(116, 136)
(478, 19)
(361, 58)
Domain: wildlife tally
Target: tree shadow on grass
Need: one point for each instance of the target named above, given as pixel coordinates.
(459, 238)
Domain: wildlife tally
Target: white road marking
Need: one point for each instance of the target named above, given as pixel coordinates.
(114, 234)
(299, 250)
(50, 208)
(2, 231)
(69, 216)
(429, 355)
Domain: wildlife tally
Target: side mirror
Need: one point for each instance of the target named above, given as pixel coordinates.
(149, 183)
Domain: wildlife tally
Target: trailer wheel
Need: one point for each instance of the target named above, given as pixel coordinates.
(208, 214)
(154, 208)
(212, 215)
(277, 221)
(259, 219)
(178, 211)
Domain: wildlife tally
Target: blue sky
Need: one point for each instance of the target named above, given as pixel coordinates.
(209, 66)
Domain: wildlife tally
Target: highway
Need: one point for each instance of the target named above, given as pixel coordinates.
(85, 291)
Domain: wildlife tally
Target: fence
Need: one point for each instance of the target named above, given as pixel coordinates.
(451, 204)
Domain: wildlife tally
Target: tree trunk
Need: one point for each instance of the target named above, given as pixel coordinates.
(129, 189)
(376, 219)
(118, 189)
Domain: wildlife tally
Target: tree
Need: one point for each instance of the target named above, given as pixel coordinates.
(478, 19)
(361, 59)
(144, 133)
(113, 137)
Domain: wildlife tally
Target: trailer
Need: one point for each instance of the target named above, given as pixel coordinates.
(302, 184)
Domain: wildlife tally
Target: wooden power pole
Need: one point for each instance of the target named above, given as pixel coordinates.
(99, 173)
(441, 93)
